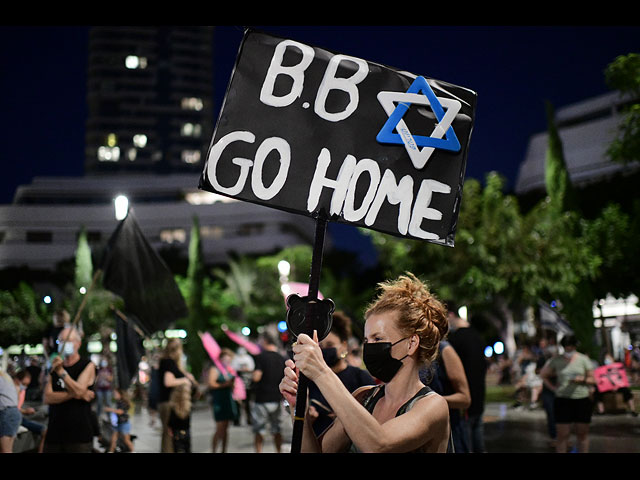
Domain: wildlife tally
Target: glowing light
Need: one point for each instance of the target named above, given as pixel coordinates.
(122, 206)
(282, 326)
(246, 331)
(498, 348)
(488, 351)
(83, 290)
(462, 312)
(284, 267)
(47, 299)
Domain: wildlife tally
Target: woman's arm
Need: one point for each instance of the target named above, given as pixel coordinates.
(399, 434)
(213, 380)
(455, 371)
(171, 381)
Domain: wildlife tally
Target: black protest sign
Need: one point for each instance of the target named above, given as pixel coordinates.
(316, 133)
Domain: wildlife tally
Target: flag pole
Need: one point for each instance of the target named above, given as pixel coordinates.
(76, 319)
(314, 284)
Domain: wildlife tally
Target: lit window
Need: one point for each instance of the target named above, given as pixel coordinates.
(191, 103)
(190, 156)
(207, 198)
(191, 130)
(133, 62)
(177, 235)
(108, 154)
(140, 140)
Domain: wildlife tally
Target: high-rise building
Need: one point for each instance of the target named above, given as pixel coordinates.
(149, 126)
(149, 98)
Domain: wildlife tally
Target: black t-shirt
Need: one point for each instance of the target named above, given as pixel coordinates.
(352, 378)
(271, 364)
(470, 348)
(167, 365)
(70, 421)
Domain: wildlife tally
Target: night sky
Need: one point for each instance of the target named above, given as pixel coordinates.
(513, 70)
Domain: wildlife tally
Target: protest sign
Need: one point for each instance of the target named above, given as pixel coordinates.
(339, 138)
(611, 377)
(328, 135)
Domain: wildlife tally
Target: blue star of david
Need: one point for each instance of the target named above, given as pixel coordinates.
(387, 135)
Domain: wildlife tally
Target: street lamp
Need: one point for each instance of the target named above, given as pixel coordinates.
(122, 207)
(284, 268)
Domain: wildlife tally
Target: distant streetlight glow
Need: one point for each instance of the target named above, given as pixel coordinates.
(284, 268)
(122, 207)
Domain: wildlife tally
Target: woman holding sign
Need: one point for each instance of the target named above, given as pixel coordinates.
(403, 329)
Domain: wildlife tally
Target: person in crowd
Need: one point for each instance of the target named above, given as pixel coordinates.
(154, 388)
(335, 349)
(469, 346)
(573, 372)
(22, 379)
(627, 394)
(172, 373)
(446, 377)
(403, 328)
(123, 425)
(547, 395)
(34, 390)
(225, 408)
(528, 386)
(244, 365)
(266, 405)
(10, 416)
(69, 392)
(104, 385)
(180, 418)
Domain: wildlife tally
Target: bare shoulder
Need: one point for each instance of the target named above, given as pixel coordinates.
(434, 406)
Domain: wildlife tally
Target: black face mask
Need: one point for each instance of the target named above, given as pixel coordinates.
(330, 356)
(378, 360)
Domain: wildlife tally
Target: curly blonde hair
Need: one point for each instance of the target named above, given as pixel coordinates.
(419, 312)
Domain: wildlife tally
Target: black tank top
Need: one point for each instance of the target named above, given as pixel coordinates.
(70, 421)
(378, 392)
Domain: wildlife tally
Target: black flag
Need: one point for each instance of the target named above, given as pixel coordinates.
(133, 270)
(129, 352)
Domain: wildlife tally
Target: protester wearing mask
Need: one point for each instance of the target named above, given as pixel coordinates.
(403, 329)
(573, 372)
(68, 392)
(335, 348)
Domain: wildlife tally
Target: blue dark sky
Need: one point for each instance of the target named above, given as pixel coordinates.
(514, 69)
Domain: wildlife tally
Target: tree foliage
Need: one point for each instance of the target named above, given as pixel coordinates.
(623, 74)
(23, 316)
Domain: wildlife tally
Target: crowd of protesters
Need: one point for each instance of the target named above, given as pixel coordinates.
(41, 394)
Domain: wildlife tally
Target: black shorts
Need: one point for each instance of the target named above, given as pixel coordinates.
(569, 410)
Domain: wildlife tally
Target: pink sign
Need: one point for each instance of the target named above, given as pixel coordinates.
(214, 350)
(611, 377)
(300, 288)
(251, 347)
